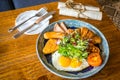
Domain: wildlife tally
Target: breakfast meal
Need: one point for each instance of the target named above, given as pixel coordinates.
(72, 49)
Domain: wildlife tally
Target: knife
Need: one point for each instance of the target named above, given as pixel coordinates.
(36, 22)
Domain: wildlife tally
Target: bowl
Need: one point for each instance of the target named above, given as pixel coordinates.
(90, 71)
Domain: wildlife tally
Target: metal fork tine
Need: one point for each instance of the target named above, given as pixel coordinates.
(41, 12)
(45, 8)
(42, 9)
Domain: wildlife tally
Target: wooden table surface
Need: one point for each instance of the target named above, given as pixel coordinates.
(18, 59)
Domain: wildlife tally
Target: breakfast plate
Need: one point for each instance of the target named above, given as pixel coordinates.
(36, 28)
(46, 60)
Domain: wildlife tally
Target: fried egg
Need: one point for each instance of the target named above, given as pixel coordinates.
(67, 64)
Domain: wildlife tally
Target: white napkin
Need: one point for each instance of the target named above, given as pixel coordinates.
(91, 12)
(91, 8)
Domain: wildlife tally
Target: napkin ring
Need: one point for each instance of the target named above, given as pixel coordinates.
(79, 7)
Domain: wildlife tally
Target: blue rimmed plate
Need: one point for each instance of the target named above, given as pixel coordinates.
(46, 59)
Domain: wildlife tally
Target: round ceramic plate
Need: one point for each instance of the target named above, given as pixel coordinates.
(46, 59)
(36, 28)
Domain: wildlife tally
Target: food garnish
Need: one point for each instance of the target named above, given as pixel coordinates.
(73, 46)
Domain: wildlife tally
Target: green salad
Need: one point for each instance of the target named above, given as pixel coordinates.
(73, 46)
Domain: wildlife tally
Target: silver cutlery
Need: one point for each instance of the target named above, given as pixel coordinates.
(39, 13)
(36, 22)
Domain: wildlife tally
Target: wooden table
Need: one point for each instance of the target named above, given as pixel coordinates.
(18, 59)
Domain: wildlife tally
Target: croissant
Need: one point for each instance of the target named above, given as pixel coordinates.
(96, 40)
(84, 31)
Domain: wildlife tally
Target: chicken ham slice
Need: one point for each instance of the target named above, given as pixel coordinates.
(63, 27)
(57, 28)
(60, 28)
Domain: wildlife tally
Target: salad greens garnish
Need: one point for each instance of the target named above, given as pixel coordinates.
(73, 46)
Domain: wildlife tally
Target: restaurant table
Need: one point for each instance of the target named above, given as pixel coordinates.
(18, 58)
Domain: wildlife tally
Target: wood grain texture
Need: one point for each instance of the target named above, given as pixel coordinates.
(18, 59)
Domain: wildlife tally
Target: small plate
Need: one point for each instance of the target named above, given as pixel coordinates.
(36, 29)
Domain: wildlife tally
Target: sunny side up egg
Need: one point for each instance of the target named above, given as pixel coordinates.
(66, 64)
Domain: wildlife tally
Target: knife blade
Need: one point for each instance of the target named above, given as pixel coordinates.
(36, 22)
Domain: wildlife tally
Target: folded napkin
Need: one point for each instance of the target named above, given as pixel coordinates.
(89, 12)
(91, 8)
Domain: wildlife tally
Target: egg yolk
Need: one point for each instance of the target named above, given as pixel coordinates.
(75, 63)
(64, 61)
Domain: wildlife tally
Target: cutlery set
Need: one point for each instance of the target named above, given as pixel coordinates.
(42, 14)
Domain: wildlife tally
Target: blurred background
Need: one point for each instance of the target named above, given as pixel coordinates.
(111, 7)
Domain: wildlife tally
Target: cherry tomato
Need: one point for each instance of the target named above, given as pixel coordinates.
(94, 59)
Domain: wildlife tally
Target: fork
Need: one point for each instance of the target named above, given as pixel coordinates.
(36, 22)
(39, 13)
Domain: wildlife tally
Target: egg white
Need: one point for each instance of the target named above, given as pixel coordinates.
(55, 62)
